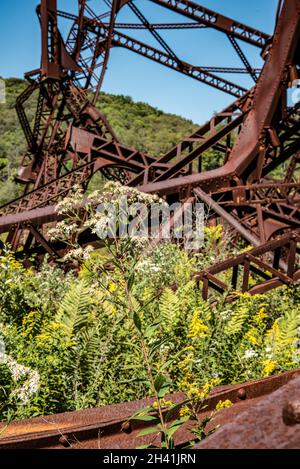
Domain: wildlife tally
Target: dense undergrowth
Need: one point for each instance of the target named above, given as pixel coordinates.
(68, 341)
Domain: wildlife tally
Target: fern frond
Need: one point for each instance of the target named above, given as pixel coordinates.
(206, 312)
(169, 307)
(284, 331)
(237, 320)
(74, 308)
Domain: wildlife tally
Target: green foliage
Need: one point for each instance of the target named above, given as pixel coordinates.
(132, 324)
(74, 309)
(237, 320)
(79, 334)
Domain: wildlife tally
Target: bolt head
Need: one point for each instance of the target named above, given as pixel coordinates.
(241, 394)
(64, 441)
(291, 412)
(126, 427)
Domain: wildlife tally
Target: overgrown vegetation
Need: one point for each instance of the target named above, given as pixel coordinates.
(74, 341)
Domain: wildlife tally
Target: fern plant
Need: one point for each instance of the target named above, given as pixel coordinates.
(237, 320)
(284, 332)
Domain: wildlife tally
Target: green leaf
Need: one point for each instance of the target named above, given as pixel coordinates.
(167, 364)
(146, 418)
(148, 431)
(149, 301)
(130, 280)
(179, 421)
(176, 425)
(137, 322)
(147, 447)
(159, 382)
(165, 388)
(151, 329)
(142, 411)
(156, 345)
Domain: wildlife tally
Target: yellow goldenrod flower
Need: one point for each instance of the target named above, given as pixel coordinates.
(213, 232)
(189, 348)
(120, 296)
(247, 248)
(194, 393)
(197, 327)
(251, 336)
(112, 287)
(273, 333)
(268, 367)
(223, 404)
(260, 316)
(163, 403)
(209, 386)
(184, 410)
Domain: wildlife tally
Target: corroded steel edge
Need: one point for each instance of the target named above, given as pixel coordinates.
(101, 427)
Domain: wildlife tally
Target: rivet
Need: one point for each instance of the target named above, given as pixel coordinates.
(64, 441)
(241, 394)
(291, 412)
(126, 427)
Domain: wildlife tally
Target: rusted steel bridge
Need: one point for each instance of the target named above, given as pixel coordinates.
(255, 190)
(256, 136)
(70, 139)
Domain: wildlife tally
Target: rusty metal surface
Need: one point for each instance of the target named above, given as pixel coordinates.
(256, 271)
(102, 427)
(257, 133)
(271, 423)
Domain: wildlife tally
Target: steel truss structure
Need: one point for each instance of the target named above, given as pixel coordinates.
(257, 136)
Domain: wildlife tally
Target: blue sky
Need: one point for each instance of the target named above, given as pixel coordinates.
(135, 76)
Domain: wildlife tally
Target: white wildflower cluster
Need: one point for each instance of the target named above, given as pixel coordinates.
(250, 353)
(133, 195)
(101, 223)
(122, 211)
(199, 361)
(147, 266)
(95, 198)
(63, 230)
(79, 254)
(269, 353)
(140, 242)
(73, 201)
(27, 380)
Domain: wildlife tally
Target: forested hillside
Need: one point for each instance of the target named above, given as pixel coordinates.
(136, 124)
